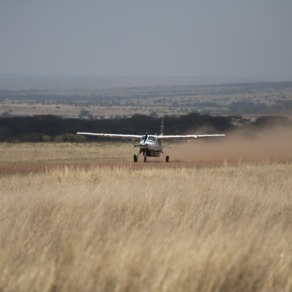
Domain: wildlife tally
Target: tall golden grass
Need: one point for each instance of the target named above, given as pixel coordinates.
(49, 153)
(117, 229)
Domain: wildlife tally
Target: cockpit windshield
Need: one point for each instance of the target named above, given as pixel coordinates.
(148, 138)
(151, 138)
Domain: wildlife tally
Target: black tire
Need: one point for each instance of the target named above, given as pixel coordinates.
(145, 159)
(167, 158)
(135, 158)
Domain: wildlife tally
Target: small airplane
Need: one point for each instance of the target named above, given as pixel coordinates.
(151, 145)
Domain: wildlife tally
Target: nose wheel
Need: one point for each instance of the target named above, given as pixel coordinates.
(135, 157)
(167, 158)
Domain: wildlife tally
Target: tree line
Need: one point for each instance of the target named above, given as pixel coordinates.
(50, 128)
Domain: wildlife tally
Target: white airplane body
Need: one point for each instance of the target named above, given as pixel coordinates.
(150, 145)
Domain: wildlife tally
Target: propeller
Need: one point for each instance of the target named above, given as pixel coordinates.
(141, 144)
(144, 144)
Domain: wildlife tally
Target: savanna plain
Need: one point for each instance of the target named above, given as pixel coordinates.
(84, 217)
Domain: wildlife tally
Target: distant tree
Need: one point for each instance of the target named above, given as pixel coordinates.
(153, 115)
(5, 114)
(84, 114)
(46, 138)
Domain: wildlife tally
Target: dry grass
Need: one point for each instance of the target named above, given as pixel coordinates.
(207, 229)
(49, 153)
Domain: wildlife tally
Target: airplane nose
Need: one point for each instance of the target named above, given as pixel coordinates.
(142, 145)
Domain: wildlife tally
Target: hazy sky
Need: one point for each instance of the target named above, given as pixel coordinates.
(212, 38)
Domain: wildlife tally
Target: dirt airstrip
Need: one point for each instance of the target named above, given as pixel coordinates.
(270, 146)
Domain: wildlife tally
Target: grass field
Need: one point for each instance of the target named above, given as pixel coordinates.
(51, 153)
(223, 228)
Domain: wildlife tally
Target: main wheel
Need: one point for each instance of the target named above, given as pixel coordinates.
(135, 158)
(167, 158)
(145, 159)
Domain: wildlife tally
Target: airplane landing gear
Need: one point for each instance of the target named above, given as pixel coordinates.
(145, 155)
(135, 157)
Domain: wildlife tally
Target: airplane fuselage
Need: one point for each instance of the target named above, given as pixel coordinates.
(150, 145)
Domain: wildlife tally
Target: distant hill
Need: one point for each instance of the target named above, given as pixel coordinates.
(109, 98)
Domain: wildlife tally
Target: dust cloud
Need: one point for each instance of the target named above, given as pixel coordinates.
(268, 145)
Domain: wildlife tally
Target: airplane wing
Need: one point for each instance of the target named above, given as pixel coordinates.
(187, 137)
(114, 136)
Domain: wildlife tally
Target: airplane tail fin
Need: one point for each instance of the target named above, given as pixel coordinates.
(162, 126)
